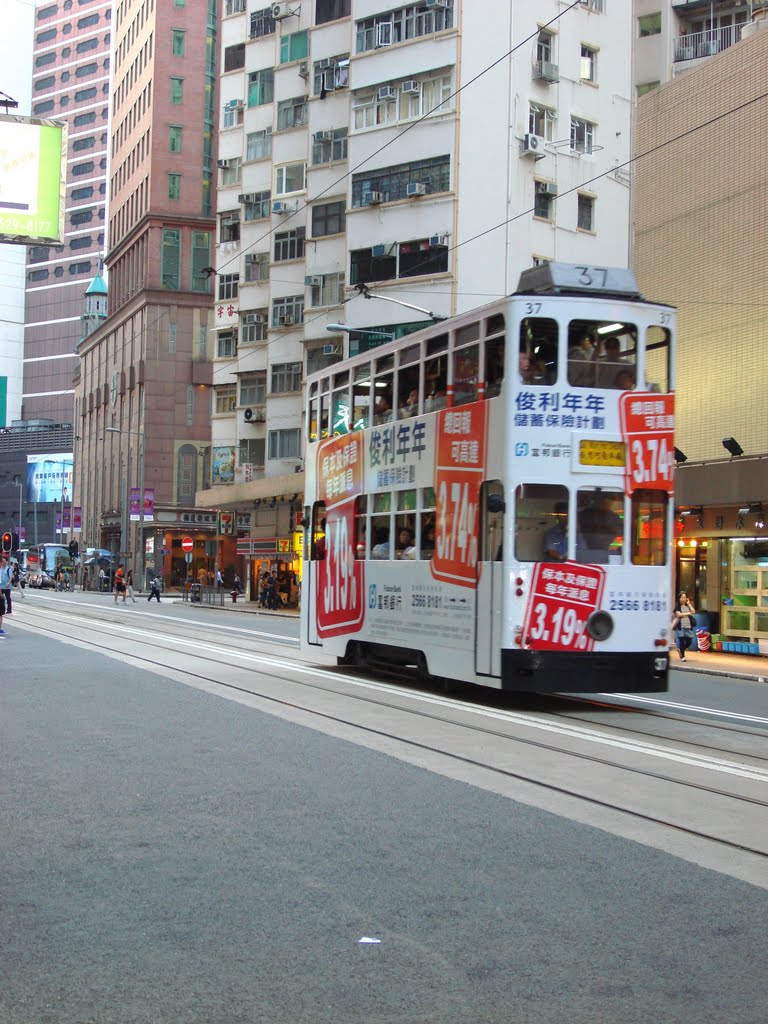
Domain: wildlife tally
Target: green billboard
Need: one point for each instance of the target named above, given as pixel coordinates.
(33, 161)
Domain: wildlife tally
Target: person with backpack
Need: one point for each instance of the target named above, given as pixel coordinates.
(154, 589)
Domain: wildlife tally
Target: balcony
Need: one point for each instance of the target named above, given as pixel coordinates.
(703, 44)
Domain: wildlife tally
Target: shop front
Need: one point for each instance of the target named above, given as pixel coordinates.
(280, 555)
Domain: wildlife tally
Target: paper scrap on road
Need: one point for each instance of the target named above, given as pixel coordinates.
(366, 938)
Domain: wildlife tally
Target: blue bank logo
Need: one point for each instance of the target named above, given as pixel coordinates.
(521, 448)
(372, 596)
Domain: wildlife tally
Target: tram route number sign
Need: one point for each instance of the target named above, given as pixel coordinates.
(647, 426)
(562, 597)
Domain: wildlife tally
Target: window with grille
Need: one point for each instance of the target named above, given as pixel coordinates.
(399, 26)
(406, 259)
(288, 311)
(393, 182)
(328, 219)
(262, 23)
(257, 205)
(289, 245)
(333, 146)
(233, 7)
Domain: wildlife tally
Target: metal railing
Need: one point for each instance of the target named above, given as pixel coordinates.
(196, 593)
(704, 44)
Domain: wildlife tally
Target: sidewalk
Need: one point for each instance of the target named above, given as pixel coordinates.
(735, 666)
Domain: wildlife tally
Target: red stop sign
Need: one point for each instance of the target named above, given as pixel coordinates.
(187, 544)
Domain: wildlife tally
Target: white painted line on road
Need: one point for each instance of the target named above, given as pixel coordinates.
(568, 730)
(677, 706)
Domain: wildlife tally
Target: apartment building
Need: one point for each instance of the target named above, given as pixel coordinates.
(143, 391)
(70, 82)
(674, 36)
(429, 151)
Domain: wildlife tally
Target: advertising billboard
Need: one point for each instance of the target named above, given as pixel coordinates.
(33, 161)
(49, 477)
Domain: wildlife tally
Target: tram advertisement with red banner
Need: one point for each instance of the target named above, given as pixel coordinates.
(563, 595)
(647, 427)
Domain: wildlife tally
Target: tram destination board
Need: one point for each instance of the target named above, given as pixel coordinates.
(602, 453)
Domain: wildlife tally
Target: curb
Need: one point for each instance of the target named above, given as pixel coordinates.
(723, 673)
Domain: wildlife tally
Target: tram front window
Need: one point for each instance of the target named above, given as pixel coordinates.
(537, 361)
(602, 354)
(541, 522)
(599, 526)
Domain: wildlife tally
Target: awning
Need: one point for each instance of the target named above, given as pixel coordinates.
(240, 495)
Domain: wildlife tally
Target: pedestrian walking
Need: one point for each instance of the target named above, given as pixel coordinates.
(129, 584)
(237, 585)
(16, 579)
(219, 580)
(6, 577)
(120, 583)
(154, 590)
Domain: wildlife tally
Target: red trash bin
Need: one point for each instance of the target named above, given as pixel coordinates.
(704, 639)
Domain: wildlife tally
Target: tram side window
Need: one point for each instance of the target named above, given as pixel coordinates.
(494, 366)
(318, 531)
(649, 528)
(314, 411)
(361, 398)
(408, 383)
(405, 525)
(435, 379)
(380, 526)
(537, 360)
(466, 362)
(340, 404)
(361, 525)
(383, 390)
(602, 354)
(325, 403)
(657, 359)
(427, 524)
(599, 526)
(539, 516)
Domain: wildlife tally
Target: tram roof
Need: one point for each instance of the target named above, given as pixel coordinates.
(579, 279)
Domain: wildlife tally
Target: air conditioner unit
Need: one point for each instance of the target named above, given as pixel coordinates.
(533, 144)
(434, 4)
(313, 282)
(546, 188)
(384, 249)
(248, 415)
(304, 69)
(280, 208)
(280, 11)
(545, 71)
(411, 86)
(374, 198)
(384, 34)
(285, 321)
(331, 350)
(253, 318)
(416, 188)
(247, 197)
(438, 241)
(223, 164)
(234, 104)
(387, 92)
(322, 136)
(259, 415)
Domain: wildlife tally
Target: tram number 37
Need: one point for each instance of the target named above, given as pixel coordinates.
(456, 534)
(340, 590)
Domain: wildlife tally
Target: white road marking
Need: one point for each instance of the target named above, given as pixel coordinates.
(677, 706)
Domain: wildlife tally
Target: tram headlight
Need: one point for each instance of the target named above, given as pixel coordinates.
(600, 625)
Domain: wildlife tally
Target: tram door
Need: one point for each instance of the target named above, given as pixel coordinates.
(312, 566)
(490, 579)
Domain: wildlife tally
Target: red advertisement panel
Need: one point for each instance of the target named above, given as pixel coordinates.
(460, 469)
(563, 596)
(339, 581)
(648, 429)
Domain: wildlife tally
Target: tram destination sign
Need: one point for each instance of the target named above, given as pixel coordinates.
(602, 453)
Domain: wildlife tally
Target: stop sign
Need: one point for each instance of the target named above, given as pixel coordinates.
(187, 544)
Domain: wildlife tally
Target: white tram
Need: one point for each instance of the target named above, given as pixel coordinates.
(490, 498)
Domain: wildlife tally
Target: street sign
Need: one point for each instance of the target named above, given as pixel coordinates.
(188, 557)
(187, 544)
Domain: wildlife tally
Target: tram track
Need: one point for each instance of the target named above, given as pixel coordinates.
(273, 667)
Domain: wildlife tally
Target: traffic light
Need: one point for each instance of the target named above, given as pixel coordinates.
(7, 543)
(74, 549)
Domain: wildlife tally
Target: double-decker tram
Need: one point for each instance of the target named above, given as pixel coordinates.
(490, 499)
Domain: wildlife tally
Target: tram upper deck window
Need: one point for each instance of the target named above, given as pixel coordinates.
(383, 390)
(314, 413)
(495, 354)
(537, 361)
(657, 359)
(541, 522)
(599, 526)
(325, 411)
(465, 374)
(649, 528)
(436, 373)
(361, 397)
(408, 382)
(602, 354)
(340, 417)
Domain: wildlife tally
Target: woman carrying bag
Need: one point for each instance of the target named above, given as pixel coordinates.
(683, 624)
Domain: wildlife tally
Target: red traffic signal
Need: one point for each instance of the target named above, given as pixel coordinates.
(7, 543)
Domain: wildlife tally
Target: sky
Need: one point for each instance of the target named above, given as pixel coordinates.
(16, 51)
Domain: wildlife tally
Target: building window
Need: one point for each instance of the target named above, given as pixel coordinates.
(285, 377)
(86, 69)
(90, 19)
(586, 213)
(256, 266)
(327, 289)
(226, 344)
(44, 107)
(588, 64)
(175, 132)
(203, 341)
(288, 311)
(179, 3)
(200, 259)
(542, 121)
(391, 183)
(81, 217)
(47, 36)
(543, 199)
(177, 90)
(85, 94)
(86, 44)
(251, 452)
(225, 398)
(329, 146)
(229, 226)
(45, 83)
(234, 57)
(331, 10)
(406, 259)
(80, 268)
(45, 58)
(253, 328)
(398, 26)
(262, 23)
(328, 219)
(256, 205)
(37, 275)
(330, 74)
(649, 24)
(258, 145)
(289, 245)
(545, 48)
(261, 87)
(582, 136)
(294, 47)
(253, 389)
(233, 7)
(80, 144)
(172, 337)
(647, 87)
(291, 113)
(177, 42)
(231, 170)
(174, 186)
(82, 193)
(83, 119)
(232, 114)
(379, 107)
(85, 168)
(290, 178)
(285, 444)
(81, 243)
(228, 286)
(170, 269)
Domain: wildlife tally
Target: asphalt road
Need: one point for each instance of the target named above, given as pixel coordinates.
(169, 857)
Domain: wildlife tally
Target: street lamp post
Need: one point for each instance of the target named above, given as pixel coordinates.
(140, 544)
(20, 484)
